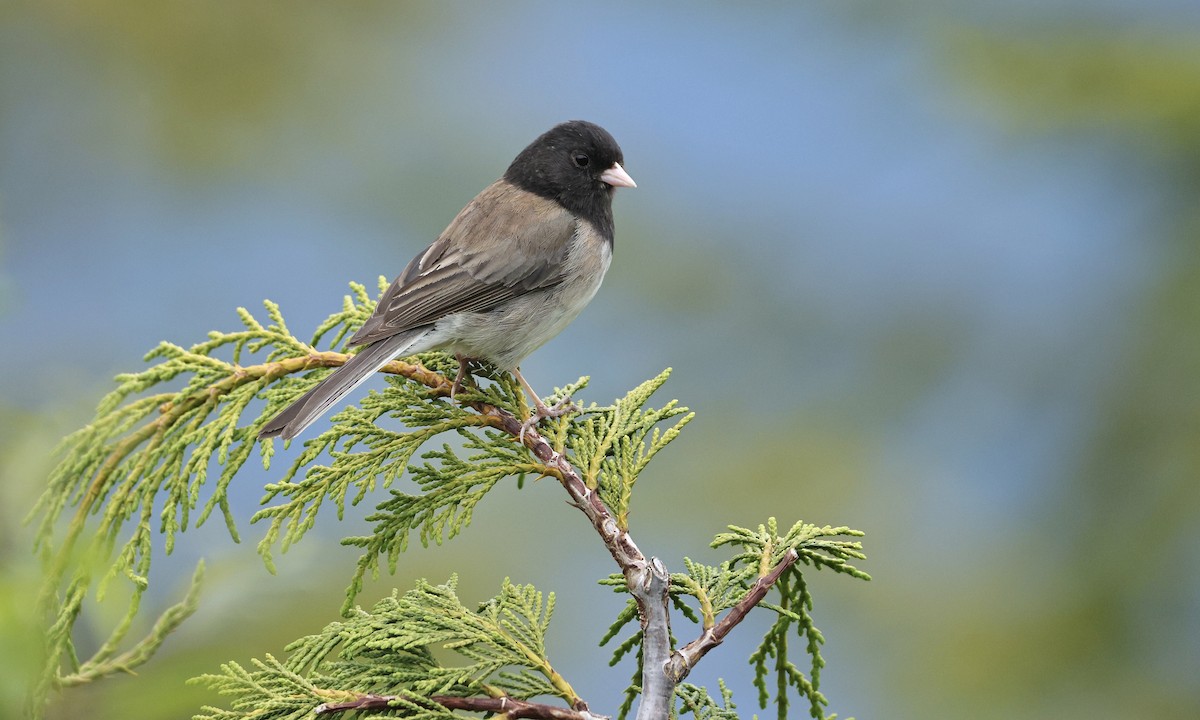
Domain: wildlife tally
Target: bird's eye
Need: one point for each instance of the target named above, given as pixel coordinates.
(580, 160)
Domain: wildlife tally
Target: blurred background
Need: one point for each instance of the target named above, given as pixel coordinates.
(932, 272)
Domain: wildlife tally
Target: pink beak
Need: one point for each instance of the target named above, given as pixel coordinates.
(617, 177)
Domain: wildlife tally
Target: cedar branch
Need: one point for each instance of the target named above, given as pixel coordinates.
(509, 707)
(684, 659)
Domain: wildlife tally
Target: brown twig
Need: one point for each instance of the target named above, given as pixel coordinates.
(513, 708)
(647, 579)
(684, 659)
(506, 706)
(363, 703)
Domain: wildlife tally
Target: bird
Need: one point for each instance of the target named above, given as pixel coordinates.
(516, 265)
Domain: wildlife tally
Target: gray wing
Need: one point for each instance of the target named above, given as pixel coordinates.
(503, 244)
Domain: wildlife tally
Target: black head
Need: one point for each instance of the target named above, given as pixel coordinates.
(566, 163)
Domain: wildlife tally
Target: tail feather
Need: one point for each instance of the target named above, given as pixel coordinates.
(314, 403)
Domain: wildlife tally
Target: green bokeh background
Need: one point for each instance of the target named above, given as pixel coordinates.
(932, 272)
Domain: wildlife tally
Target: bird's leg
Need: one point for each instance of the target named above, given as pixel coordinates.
(462, 373)
(562, 407)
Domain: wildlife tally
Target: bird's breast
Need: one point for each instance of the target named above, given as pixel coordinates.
(586, 263)
(507, 334)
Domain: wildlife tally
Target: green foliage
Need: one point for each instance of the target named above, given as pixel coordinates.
(695, 701)
(365, 456)
(159, 447)
(763, 548)
(390, 650)
(452, 487)
(107, 661)
(141, 470)
(610, 446)
(146, 450)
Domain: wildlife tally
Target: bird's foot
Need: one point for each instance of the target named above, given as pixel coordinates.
(542, 411)
(463, 372)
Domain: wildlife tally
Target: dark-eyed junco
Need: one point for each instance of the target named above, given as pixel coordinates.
(513, 269)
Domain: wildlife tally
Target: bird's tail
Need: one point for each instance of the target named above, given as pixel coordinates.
(313, 404)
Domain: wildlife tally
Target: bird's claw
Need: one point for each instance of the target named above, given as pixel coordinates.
(541, 412)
